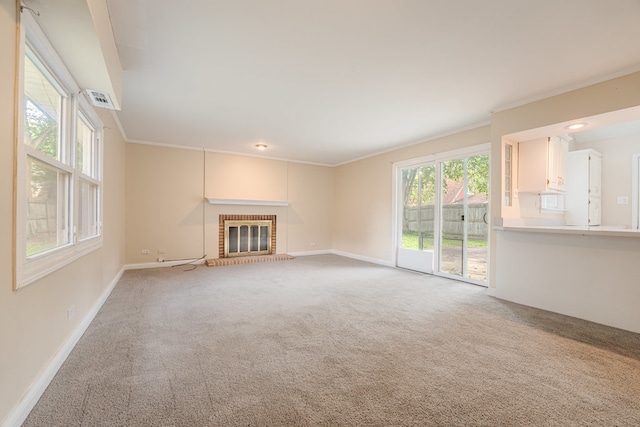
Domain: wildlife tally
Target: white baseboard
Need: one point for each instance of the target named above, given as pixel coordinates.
(386, 263)
(20, 412)
(160, 264)
(309, 253)
(378, 261)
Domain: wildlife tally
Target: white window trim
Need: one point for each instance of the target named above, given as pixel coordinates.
(396, 228)
(30, 269)
(635, 192)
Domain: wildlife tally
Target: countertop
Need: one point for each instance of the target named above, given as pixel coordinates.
(599, 230)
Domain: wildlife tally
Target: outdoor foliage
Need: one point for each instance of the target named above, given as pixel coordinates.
(420, 182)
(41, 133)
(477, 173)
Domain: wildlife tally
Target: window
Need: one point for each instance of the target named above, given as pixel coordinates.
(508, 173)
(58, 177)
(552, 202)
(48, 172)
(88, 180)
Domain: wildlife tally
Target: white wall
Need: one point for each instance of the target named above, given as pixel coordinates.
(617, 156)
(589, 277)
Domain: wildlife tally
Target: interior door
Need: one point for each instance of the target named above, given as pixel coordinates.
(418, 218)
(464, 228)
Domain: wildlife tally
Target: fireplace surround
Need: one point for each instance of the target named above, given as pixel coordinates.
(246, 235)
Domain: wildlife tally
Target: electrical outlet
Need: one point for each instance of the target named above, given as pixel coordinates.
(160, 251)
(312, 244)
(71, 312)
(623, 200)
(145, 252)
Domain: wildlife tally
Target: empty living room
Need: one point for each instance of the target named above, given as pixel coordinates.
(279, 213)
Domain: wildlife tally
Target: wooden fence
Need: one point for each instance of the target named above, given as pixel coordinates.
(41, 218)
(452, 226)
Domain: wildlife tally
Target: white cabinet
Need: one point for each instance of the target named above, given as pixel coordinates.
(542, 165)
(583, 199)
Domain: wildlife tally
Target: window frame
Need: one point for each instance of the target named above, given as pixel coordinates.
(30, 268)
(507, 176)
(96, 178)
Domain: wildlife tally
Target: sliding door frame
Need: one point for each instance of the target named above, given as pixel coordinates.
(436, 158)
(635, 192)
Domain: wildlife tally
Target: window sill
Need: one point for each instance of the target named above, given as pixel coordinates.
(40, 266)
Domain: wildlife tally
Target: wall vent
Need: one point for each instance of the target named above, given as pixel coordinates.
(100, 99)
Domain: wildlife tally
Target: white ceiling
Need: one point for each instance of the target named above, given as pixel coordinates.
(618, 130)
(329, 81)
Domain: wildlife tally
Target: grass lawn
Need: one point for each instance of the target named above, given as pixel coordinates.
(37, 247)
(410, 241)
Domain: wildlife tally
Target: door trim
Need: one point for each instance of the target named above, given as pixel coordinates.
(396, 172)
(635, 192)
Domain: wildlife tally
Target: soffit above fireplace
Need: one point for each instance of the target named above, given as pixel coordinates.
(247, 202)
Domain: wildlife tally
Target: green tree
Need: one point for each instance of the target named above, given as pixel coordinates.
(41, 133)
(40, 130)
(477, 173)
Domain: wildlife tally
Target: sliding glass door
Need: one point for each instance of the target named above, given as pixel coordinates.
(443, 218)
(416, 242)
(464, 229)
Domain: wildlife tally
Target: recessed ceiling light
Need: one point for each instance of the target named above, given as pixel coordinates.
(261, 146)
(576, 126)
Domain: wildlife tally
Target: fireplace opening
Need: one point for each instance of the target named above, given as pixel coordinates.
(247, 238)
(247, 235)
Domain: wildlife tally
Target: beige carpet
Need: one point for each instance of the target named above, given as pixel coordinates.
(329, 341)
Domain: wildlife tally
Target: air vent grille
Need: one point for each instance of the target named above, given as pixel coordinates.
(100, 99)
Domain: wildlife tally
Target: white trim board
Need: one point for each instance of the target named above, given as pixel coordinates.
(635, 192)
(247, 202)
(469, 151)
(144, 265)
(310, 253)
(20, 412)
(386, 263)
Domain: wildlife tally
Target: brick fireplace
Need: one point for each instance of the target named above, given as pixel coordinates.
(246, 235)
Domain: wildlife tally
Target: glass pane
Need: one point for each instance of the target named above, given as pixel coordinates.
(410, 197)
(85, 148)
(254, 238)
(507, 174)
(233, 240)
(478, 217)
(427, 175)
(88, 215)
(419, 186)
(244, 238)
(264, 238)
(42, 111)
(453, 210)
(47, 202)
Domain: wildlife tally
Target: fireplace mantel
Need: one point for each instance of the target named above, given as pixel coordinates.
(247, 202)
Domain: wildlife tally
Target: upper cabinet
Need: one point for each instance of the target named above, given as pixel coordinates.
(543, 165)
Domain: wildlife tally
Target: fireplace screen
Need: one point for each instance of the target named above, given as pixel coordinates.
(247, 238)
